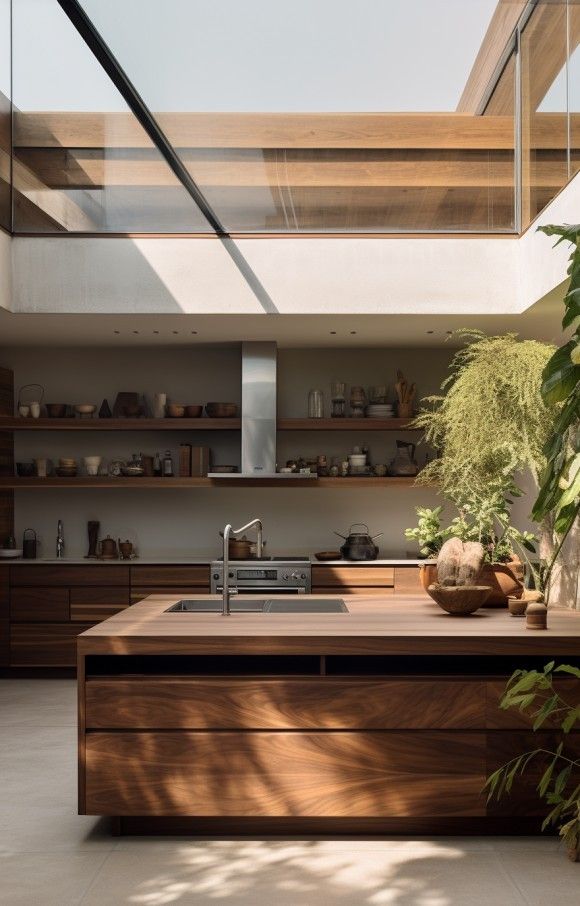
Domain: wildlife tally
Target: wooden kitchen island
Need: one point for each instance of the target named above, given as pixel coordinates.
(381, 720)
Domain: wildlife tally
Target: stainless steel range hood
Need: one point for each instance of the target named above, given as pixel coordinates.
(259, 391)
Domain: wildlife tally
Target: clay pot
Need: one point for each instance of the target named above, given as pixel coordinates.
(517, 606)
(504, 579)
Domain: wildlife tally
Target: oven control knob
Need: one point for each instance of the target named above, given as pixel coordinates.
(231, 575)
(295, 576)
(285, 575)
(216, 575)
(303, 576)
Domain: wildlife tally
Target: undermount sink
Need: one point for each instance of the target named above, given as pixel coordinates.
(270, 605)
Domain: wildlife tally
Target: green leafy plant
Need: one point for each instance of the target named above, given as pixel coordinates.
(533, 692)
(559, 494)
(428, 533)
(489, 424)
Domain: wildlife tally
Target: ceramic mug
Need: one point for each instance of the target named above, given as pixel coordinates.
(24, 411)
(92, 464)
(35, 410)
(159, 404)
(41, 467)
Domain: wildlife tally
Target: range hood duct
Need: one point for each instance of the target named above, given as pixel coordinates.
(259, 410)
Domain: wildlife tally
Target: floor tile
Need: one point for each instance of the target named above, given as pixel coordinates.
(549, 879)
(37, 703)
(46, 880)
(33, 829)
(288, 874)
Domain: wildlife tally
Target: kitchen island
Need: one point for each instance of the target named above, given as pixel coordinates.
(383, 719)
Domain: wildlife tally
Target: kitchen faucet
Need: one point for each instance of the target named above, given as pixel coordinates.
(227, 591)
(59, 540)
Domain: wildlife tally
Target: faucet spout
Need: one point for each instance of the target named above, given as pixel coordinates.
(226, 590)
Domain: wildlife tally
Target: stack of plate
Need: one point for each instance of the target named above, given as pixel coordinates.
(380, 410)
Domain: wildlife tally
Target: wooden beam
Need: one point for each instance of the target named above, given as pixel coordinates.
(503, 22)
(51, 202)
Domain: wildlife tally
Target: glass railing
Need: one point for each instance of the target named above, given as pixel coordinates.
(477, 129)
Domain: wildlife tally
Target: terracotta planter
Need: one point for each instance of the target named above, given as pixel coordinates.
(504, 579)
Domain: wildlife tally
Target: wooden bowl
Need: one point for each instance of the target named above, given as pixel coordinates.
(85, 409)
(518, 606)
(193, 411)
(174, 410)
(328, 555)
(459, 600)
(221, 410)
(56, 410)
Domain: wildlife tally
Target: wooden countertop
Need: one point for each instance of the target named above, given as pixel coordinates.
(391, 625)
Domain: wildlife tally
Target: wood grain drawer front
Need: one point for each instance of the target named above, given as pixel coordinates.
(96, 604)
(353, 576)
(281, 774)
(39, 605)
(514, 719)
(194, 576)
(44, 644)
(42, 574)
(407, 581)
(292, 704)
(138, 592)
(368, 592)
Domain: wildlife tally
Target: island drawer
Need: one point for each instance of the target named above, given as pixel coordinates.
(353, 577)
(157, 702)
(270, 774)
(196, 576)
(42, 574)
(44, 644)
(39, 605)
(96, 604)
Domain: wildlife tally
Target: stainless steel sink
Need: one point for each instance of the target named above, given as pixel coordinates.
(270, 605)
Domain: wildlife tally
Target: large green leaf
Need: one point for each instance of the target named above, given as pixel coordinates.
(560, 375)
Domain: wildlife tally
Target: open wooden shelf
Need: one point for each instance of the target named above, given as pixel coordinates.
(199, 424)
(104, 481)
(120, 424)
(345, 424)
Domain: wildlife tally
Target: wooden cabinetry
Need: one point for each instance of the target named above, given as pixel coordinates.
(369, 578)
(44, 607)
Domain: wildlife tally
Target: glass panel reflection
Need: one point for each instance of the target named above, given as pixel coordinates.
(574, 84)
(82, 162)
(5, 131)
(544, 107)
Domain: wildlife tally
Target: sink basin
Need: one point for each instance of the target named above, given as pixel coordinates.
(271, 605)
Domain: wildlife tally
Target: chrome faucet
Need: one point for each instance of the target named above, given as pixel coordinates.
(227, 591)
(59, 540)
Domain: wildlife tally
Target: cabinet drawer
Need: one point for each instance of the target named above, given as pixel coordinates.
(44, 644)
(368, 592)
(96, 604)
(106, 574)
(196, 576)
(407, 581)
(281, 774)
(513, 718)
(353, 576)
(39, 605)
(285, 704)
(138, 592)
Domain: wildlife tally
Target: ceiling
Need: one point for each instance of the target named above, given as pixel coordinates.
(541, 321)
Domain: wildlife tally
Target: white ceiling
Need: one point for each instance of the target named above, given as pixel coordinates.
(541, 321)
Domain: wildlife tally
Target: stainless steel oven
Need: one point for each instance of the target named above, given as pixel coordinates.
(276, 576)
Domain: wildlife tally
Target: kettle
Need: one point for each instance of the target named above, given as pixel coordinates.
(359, 545)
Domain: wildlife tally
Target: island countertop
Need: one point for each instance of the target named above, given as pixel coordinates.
(397, 624)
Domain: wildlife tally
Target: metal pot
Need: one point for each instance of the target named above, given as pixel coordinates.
(359, 545)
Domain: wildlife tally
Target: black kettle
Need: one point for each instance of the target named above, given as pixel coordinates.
(359, 545)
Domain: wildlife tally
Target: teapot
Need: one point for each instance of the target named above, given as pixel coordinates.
(359, 545)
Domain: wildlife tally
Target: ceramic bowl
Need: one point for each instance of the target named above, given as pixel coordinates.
(518, 606)
(85, 409)
(221, 410)
(64, 472)
(10, 553)
(56, 410)
(175, 410)
(459, 600)
(193, 411)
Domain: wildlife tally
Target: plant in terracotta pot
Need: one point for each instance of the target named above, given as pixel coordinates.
(428, 533)
(489, 425)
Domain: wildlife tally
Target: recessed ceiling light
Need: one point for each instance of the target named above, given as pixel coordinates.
(135, 331)
(117, 332)
(156, 331)
(194, 331)
(175, 332)
(333, 332)
(430, 331)
(352, 333)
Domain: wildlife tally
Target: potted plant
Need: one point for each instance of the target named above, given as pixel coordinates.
(428, 533)
(533, 692)
(489, 424)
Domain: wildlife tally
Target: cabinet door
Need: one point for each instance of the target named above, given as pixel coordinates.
(95, 604)
(39, 605)
(44, 644)
(355, 580)
(169, 575)
(267, 774)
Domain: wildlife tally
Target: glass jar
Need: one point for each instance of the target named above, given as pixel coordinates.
(316, 404)
(337, 391)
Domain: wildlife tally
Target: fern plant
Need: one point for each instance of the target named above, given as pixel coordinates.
(533, 692)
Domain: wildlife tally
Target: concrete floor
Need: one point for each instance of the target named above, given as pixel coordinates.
(49, 856)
